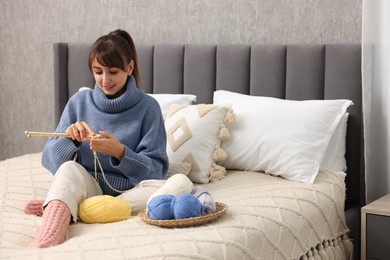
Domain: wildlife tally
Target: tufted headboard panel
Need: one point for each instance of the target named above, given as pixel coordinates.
(296, 72)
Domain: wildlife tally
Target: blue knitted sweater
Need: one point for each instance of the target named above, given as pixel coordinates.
(134, 118)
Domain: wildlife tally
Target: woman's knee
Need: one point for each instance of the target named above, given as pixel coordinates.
(69, 165)
(71, 169)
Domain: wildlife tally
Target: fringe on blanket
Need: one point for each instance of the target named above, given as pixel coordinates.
(335, 249)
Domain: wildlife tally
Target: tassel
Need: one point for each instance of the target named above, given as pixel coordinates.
(223, 133)
(341, 245)
(230, 117)
(310, 255)
(328, 248)
(219, 154)
(316, 255)
(217, 173)
(322, 253)
(340, 248)
(348, 247)
(335, 249)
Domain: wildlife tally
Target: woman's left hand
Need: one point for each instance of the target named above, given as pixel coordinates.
(107, 144)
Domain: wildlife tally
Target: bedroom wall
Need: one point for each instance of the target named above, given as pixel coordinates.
(28, 29)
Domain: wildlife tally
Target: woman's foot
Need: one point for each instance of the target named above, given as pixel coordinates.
(55, 221)
(34, 207)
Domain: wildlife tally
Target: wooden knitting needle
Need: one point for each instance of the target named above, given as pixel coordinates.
(48, 134)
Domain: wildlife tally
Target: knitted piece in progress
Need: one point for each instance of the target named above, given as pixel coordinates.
(56, 219)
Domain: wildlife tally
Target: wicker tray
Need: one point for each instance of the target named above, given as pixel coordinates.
(186, 222)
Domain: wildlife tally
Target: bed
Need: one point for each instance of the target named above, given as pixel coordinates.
(268, 216)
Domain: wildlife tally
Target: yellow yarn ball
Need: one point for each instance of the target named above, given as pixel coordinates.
(104, 209)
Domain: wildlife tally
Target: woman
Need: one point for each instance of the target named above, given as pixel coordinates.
(131, 145)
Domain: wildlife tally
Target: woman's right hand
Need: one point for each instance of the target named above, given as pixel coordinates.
(78, 131)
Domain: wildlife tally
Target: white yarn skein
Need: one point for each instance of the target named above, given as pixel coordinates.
(175, 185)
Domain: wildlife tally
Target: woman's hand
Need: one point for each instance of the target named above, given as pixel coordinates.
(78, 131)
(107, 144)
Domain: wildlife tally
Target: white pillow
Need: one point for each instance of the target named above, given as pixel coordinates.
(194, 134)
(166, 100)
(178, 168)
(84, 88)
(334, 158)
(281, 137)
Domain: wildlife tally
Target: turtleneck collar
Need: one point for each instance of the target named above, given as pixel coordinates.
(128, 99)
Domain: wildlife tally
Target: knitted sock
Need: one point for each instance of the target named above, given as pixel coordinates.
(34, 207)
(55, 222)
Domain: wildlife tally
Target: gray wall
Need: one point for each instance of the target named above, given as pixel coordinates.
(29, 27)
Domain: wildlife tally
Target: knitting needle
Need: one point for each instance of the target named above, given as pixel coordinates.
(48, 134)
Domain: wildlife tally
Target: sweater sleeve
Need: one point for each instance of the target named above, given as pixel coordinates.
(149, 160)
(59, 150)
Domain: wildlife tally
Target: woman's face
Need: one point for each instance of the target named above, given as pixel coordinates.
(111, 80)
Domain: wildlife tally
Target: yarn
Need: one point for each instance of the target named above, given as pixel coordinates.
(176, 185)
(159, 208)
(97, 161)
(104, 209)
(205, 199)
(166, 206)
(186, 206)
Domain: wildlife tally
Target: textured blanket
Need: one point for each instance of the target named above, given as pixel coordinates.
(268, 218)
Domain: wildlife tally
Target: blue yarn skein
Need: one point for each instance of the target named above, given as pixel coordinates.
(159, 208)
(186, 206)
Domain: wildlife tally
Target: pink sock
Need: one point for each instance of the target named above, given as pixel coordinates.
(55, 222)
(34, 207)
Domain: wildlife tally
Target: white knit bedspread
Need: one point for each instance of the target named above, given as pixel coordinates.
(268, 218)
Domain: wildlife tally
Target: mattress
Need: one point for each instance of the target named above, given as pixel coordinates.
(268, 217)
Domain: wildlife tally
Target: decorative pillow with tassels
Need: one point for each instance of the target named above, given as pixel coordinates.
(194, 134)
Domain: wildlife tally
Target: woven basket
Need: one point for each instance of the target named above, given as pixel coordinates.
(185, 222)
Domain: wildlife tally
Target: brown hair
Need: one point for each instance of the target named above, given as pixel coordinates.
(115, 49)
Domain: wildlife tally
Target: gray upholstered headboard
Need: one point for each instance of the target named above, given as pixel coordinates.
(284, 71)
